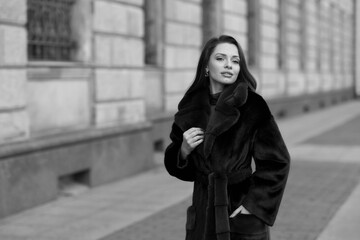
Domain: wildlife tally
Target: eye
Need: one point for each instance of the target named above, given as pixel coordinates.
(219, 58)
(236, 60)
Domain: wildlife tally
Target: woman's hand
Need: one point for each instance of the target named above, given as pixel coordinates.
(241, 210)
(191, 139)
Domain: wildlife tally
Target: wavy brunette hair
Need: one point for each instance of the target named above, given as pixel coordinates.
(201, 81)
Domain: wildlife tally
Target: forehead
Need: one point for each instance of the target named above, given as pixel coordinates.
(227, 49)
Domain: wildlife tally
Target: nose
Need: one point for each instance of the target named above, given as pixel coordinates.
(228, 65)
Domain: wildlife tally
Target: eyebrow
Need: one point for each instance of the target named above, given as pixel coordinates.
(223, 54)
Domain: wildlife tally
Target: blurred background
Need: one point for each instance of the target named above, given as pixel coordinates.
(88, 88)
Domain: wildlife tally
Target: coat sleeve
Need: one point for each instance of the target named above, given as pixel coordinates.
(183, 169)
(268, 182)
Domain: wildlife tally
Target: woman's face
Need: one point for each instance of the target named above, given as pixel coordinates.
(223, 66)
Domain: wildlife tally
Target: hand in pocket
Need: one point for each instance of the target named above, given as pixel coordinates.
(241, 210)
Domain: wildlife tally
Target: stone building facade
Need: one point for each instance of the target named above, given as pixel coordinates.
(100, 115)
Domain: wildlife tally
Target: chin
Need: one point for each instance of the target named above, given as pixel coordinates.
(229, 82)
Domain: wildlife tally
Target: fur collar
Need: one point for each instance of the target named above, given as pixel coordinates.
(194, 111)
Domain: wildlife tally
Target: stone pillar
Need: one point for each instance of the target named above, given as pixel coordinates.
(254, 34)
(282, 61)
(357, 47)
(13, 59)
(154, 32)
(154, 56)
(81, 22)
(212, 18)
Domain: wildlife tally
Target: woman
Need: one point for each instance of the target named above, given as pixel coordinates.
(220, 126)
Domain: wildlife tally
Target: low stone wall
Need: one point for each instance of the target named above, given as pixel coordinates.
(286, 107)
(31, 172)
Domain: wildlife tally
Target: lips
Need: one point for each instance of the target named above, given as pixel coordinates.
(227, 74)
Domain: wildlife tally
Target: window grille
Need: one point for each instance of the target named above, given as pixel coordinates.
(49, 30)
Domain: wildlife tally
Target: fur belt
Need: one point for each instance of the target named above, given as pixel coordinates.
(217, 215)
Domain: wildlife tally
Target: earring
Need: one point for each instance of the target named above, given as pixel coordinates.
(206, 73)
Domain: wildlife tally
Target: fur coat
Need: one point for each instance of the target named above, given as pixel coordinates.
(241, 128)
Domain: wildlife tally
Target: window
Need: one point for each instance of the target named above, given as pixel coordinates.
(49, 30)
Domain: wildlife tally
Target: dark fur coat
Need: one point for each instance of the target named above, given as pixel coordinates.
(241, 128)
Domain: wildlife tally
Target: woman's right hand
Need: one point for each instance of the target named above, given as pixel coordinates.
(191, 139)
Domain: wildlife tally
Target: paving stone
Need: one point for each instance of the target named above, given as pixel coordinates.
(314, 193)
(344, 134)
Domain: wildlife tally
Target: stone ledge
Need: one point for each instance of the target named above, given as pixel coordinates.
(48, 142)
(31, 172)
(294, 105)
(162, 116)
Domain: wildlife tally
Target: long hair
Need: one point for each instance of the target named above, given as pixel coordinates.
(201, 81)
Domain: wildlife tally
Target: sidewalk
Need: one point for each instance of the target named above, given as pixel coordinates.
(322, 194)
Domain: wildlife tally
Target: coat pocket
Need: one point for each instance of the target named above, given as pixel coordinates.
(249, 225)
(190, 218)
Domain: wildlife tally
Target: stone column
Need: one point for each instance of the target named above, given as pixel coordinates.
(357, 47)
(154, 32)
(282, 61)
(81, 26)
(254, 34)
(212, 18)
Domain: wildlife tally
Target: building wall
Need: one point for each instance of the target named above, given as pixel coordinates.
(103, 114)
(14, 122)
(315, 50)
(235, 20)
(106, 84)
(182, 43)
(84, 117)
(118, 31)
(271, 76)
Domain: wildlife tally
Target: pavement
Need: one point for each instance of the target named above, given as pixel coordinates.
(321, 201)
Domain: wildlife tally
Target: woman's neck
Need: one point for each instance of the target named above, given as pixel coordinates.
(216, 88)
